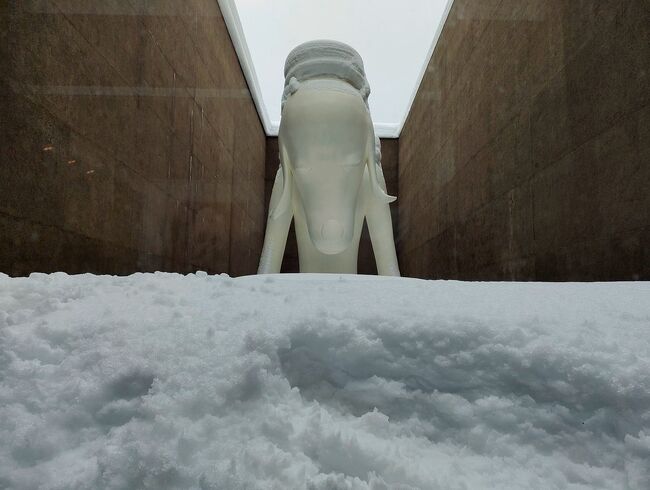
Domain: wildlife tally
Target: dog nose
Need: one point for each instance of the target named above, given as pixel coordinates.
(331, 230)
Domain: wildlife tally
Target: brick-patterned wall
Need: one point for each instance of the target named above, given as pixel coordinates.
(367, 265)
(128, 140)
(526, 154)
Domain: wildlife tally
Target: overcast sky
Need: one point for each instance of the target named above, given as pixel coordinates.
(393, 37)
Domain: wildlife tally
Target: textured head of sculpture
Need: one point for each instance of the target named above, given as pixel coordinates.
(327, 140)
(324, 59)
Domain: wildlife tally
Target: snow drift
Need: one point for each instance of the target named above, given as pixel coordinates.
(322, 382)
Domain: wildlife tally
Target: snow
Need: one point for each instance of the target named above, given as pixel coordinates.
(322, 382)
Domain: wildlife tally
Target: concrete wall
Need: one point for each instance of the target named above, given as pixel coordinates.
(390, 153)
(526, 154)
(128, 140)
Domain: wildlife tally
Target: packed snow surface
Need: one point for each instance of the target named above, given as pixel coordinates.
(322, 382)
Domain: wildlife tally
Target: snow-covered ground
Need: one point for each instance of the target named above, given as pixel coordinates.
(322, 382)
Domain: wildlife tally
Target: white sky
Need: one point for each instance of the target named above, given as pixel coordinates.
(394, 39)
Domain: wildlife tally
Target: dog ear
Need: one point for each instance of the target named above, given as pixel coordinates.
(377, 182)
(287, 177)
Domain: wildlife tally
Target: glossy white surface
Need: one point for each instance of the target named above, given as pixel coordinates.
(330, 179)
(328, 184)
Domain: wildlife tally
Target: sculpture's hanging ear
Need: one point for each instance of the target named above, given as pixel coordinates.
(285, 200)
(374, 170)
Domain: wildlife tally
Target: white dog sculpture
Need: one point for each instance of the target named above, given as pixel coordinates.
(330, 178)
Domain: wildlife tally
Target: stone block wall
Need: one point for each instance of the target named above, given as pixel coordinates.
(128, 140)
(526, 154)
(390, 153)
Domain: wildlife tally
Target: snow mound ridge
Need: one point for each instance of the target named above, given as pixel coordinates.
(322, 382)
